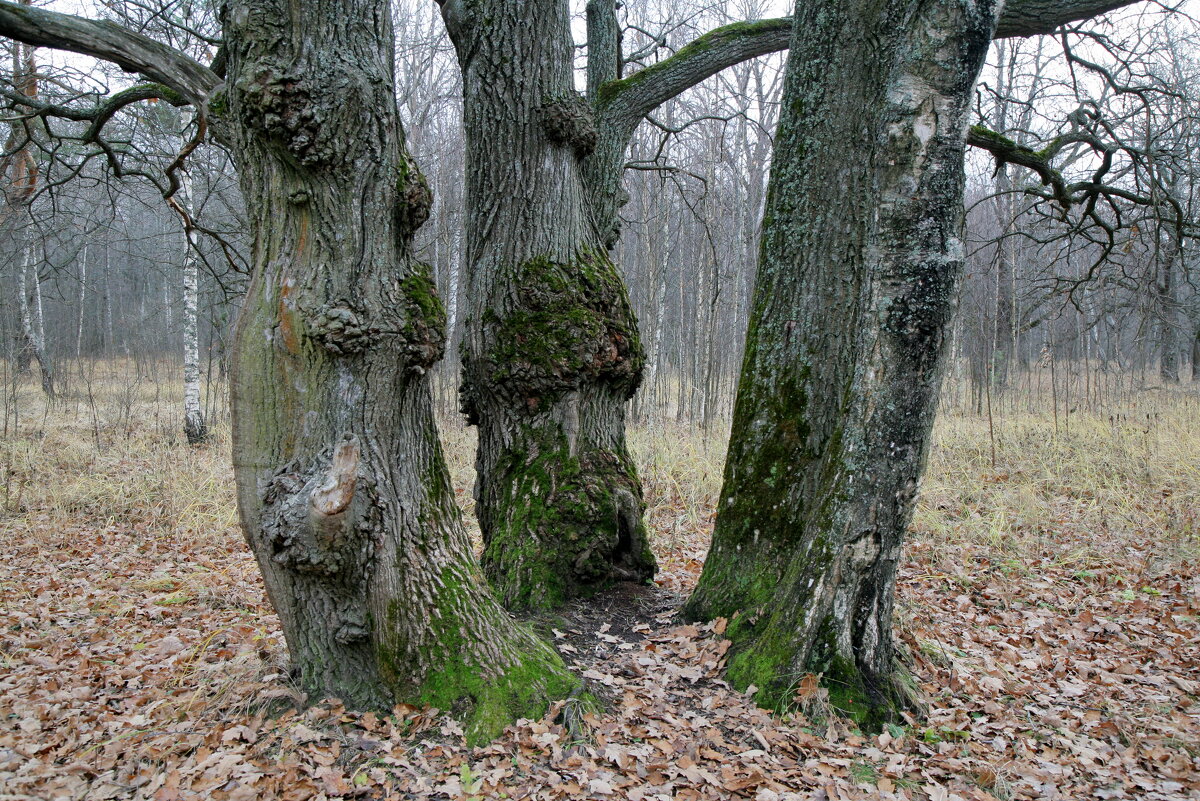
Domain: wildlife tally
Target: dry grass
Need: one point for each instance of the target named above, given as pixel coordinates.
(117, 533)
(110, 452)
(1125, 475)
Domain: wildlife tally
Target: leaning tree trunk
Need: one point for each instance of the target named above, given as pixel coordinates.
(550, 352)
(861, 256)
(344, 495)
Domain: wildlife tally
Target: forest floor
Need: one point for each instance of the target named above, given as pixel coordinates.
(1050, 603)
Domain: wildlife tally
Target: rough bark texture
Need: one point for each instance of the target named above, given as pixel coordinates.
(550, 352)
(861, 258)
(343, 492)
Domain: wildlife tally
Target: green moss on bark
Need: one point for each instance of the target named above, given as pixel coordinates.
(611, 90)
(570, 525)
(424, 327)
(485, 697)
(766, 658)
(570, 323)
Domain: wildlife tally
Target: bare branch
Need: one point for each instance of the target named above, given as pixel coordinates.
(131, 51)
(1022, 18)
(625, 102)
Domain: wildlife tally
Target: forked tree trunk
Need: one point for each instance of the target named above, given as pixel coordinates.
(860, 261)
(550, 350)
(344, 495)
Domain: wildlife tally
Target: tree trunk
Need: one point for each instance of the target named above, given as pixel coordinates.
(344, 495)
(33, 333)
(82, 298)
(860, 263)
(194, 426)
(1196, 355)
(551, 351)
(1168, 337)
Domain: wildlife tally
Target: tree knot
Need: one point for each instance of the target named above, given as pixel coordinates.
(414, 199)
(341, 329)
(568, 120)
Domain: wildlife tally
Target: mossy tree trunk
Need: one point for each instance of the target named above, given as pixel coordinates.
(860, 262)
(550, 352)
(343, 492)
(861, 257)
(344, 495)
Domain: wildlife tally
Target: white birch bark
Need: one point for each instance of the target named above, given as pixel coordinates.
(194, 426)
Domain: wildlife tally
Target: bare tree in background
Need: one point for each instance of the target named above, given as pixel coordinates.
(21, 185)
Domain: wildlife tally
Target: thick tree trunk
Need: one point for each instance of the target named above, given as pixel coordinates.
(344, 495)
(860, 262)
(550, 351)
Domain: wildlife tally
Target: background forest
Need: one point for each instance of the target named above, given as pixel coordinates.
(1048, 600)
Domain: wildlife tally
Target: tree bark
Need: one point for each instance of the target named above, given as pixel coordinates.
(1196, 355)
(344, 494)
(33, 334)
(860, 262)
(550, 351)
(19, 194)
(1167, 310)
(194, 426)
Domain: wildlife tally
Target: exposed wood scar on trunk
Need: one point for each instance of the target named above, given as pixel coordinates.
(334, 496)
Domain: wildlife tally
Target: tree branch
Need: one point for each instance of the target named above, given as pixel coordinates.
(626, 102)
(100, 113)
(131, 51)
(1022, 18)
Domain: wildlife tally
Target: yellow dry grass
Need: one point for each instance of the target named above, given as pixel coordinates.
(1110, 487)
(109, 451)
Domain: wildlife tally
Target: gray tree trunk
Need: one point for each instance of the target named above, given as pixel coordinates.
(1167, 312)
(860, 262)
(1196, 355)
(344, 495)
(550, 350)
